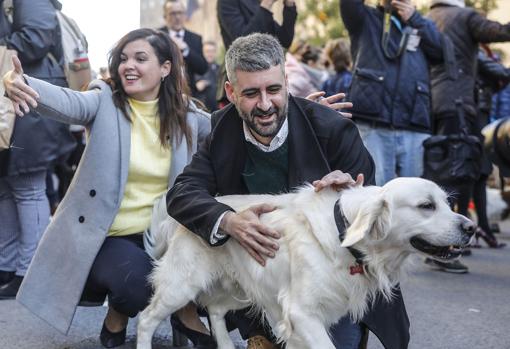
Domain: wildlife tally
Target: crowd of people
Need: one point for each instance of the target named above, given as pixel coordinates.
(284, 112)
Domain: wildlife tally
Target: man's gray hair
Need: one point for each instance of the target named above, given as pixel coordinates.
(253, 53)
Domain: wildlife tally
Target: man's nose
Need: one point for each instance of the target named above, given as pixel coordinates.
(264, 102)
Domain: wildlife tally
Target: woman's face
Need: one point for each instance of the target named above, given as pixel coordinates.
(140, 72)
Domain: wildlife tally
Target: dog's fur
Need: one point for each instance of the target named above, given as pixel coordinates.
(308, 285)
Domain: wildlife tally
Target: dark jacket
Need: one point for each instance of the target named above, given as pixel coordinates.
(242, 17)
(195, 61)
(501, 104)
(34, 33)
(319, 142)
(208, 95)
(465, 28)
(390, 92)
(339, 82)
(491, 77)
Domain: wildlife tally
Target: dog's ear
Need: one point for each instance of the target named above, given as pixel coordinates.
(372, 221)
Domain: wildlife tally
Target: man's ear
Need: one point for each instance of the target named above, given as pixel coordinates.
(372, 222)
(229, 89)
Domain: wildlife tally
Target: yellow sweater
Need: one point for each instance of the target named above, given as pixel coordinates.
(149, 167)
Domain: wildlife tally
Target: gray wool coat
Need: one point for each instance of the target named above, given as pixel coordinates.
(56, 277)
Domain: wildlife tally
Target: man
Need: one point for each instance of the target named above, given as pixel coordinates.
(189, 43)
(243, 17)
(465, 29)
(392, 46)
(206, 84)
(269, 142)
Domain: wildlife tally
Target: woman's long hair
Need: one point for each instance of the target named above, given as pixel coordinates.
(172, 104)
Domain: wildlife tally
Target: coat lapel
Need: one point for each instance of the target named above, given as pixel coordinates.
(307, 161)
(229, 153)
(125, 149)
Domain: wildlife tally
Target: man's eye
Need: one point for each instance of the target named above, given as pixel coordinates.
(250, 94)
(274, 90)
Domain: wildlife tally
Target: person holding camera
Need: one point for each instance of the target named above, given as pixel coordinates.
(393, 47)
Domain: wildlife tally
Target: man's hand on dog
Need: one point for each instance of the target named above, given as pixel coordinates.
(255, 237)
(338, 181)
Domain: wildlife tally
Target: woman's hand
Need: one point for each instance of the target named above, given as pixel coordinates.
(18, 91)
(331, 102)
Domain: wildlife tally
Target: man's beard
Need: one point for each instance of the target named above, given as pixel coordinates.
(264, 131)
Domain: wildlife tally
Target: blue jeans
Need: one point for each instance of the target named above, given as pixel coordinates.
(396, 153)
(24, 215)
(345, 334)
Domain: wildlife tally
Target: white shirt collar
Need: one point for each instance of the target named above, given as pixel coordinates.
(174, 33)
(276, 142)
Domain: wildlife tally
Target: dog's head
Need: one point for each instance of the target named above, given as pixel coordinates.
(410, 214)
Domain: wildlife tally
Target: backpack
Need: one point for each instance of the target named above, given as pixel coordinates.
(75, 47)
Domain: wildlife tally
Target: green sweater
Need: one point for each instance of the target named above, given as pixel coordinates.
(267, 172)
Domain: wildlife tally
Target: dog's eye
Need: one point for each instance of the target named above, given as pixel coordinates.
(427, 206)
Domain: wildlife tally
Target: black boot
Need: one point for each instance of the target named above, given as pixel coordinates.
(10, 289)
(5, 277)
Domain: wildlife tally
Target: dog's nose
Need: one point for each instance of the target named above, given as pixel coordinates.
(468, 227)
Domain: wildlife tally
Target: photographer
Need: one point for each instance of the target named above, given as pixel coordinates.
(392, 46)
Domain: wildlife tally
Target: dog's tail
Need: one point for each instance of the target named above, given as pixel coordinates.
(157, 237)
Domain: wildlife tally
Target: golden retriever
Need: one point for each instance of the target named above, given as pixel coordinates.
(314, 278)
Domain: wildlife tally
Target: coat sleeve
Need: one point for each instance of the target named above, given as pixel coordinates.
(33, 30)
(262, 21)
(485, 31)
(346, 151)
(191, 200)
(431, 42)
(285, 32)
(66, 105)
(195, 59)
(353, 14)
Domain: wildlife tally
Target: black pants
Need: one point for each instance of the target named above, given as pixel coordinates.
(248, 323)
(120, 271)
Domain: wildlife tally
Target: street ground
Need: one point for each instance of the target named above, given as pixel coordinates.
(447, 311)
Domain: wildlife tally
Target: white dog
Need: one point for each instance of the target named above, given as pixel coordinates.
(314, 278)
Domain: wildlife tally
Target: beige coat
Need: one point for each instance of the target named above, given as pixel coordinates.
(54, 282)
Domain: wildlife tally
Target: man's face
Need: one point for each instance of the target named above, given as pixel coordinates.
(261, 99)
(210, 53)
(174, 15)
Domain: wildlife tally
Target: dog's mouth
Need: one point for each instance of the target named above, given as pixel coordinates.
(440, 252)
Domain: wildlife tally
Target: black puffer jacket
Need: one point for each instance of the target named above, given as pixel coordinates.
(466, 28)
(392, 93)
(34, 33)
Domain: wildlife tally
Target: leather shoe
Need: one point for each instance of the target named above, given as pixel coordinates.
(10, 289)
(5, 277)
(260, 342)
(112, 339)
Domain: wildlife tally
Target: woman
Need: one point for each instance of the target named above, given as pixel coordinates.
(141, 133)
(338, 56)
